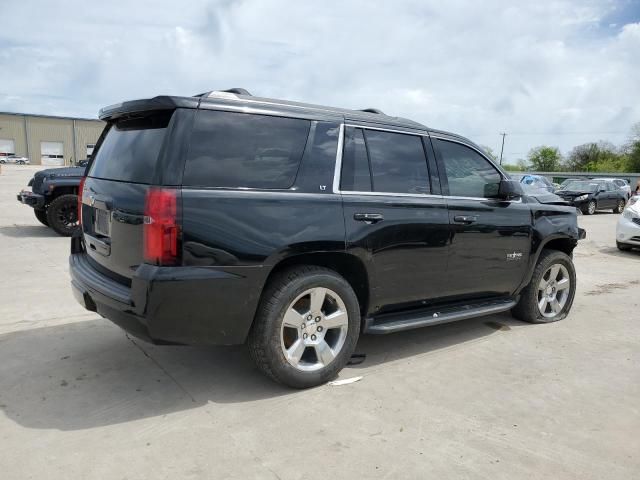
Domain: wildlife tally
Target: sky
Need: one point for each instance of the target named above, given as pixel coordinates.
(554, 72)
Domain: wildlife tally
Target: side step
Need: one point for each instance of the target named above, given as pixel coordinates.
(396, 322)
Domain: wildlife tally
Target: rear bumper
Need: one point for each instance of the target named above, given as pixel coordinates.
(175, 305)
(34, 200)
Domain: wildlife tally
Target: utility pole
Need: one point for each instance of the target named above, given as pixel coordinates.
(502, 149)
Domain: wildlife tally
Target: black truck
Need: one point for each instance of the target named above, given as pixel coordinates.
(226, 218)
(53, 196)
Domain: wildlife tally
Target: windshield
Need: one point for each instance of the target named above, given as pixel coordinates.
(581, 186)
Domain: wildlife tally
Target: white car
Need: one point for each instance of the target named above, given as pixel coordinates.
(619, 183)
(628, 229)
(14, 159)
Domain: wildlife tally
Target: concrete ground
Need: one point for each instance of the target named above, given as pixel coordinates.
(486, 398)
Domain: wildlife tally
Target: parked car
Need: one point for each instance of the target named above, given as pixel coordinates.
(628, 228)
(54, 199)
(537, 181)
(567, 180)
(15, 159)
(592, 195)
(542, 195)
(225, 218)
(619, 183)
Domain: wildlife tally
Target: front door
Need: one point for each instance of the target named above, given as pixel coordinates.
(490, 238)
(396, 220)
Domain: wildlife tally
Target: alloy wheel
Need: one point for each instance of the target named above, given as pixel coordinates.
(314, 329)
(553, 290)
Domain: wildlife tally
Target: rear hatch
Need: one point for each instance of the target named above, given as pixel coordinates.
(127, 162)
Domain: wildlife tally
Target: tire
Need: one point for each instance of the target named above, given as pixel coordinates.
(619, 206)
(62, 214)
(591, 208)
(528, 308)
(290, 294)
(623, 247)
(41, 215)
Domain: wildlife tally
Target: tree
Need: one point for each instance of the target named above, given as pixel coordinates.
(598, 157)
(545, 159)
(490, 153)
(633, 150)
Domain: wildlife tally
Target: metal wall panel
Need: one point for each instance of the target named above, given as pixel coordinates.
(12, 128)
(87, 133)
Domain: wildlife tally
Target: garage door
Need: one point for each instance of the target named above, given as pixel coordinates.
(7, 147)
(52, 153)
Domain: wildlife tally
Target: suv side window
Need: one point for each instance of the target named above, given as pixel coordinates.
(469, 174)
(398, 162)
(356, 176)
(239, 150)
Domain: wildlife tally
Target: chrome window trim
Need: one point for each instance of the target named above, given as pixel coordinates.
(391, 194)
(417, 134)
(338, 168)
(482, 154)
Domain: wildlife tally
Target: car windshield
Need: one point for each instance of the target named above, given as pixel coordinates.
(581, 186)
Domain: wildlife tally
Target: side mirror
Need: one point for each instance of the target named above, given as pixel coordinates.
(508, 189)
(601, 190)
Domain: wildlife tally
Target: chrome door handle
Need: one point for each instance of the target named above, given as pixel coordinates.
(368, 218)
(466, 219)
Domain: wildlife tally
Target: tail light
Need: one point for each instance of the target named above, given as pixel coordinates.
(161, 226)
(80, 193)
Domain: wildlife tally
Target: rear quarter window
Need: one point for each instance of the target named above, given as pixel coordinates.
(239, 150)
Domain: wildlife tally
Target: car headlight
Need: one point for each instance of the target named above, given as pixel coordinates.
(629, 214)
(581, 197)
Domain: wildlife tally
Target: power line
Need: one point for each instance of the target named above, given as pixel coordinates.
(502, 149)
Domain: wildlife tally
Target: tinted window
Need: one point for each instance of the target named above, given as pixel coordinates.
(398, 162)
(469, 173)
(319, 160)
(130, 149)
(355, 165)
(244, 150)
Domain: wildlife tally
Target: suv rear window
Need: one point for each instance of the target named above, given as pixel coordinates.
(130, 149)
(240, 150)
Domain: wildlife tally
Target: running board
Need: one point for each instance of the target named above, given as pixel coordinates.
(397, 322)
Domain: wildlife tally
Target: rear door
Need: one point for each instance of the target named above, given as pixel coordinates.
(133, 154)
(612, 193)
(395, 218)
(490, 238)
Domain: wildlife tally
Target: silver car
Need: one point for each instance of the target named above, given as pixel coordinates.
(14, 159)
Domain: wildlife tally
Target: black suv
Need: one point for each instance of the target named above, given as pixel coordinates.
(53, 196)
(226, 218)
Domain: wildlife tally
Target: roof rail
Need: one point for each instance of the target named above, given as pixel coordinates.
(372, 110)
(230, 92)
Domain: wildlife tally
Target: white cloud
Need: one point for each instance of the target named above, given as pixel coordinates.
(544, 72)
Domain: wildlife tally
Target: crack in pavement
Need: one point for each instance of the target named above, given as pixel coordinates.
(144, 352)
